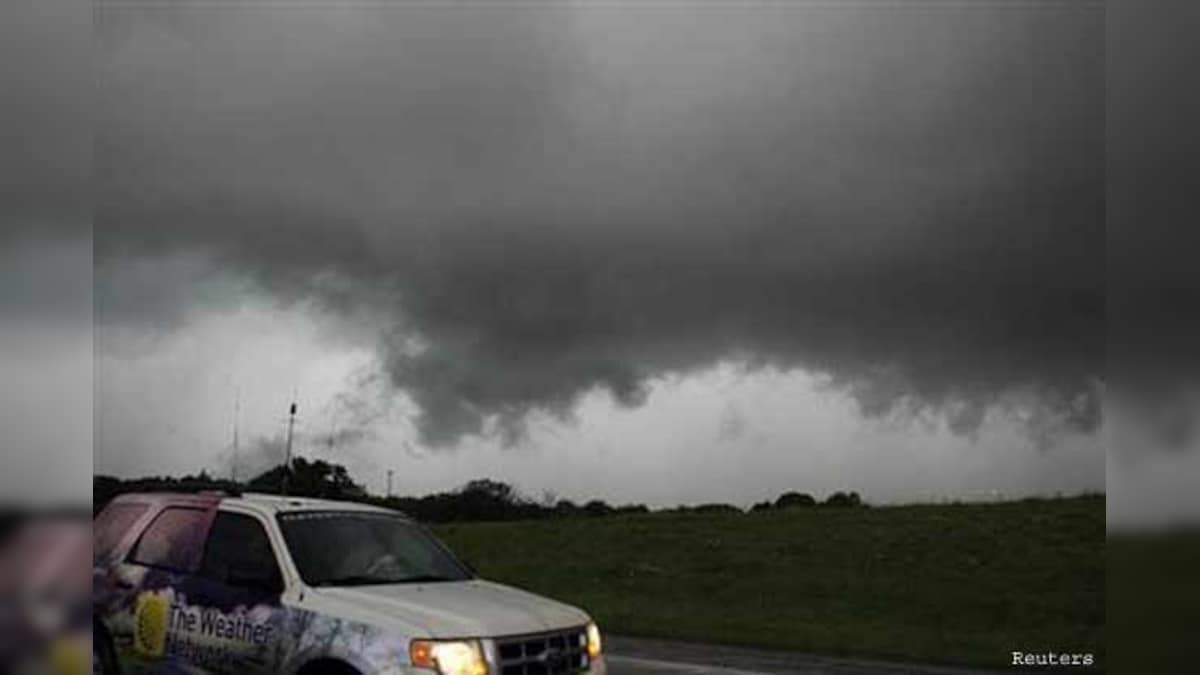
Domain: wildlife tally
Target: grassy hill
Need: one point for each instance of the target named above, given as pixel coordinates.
(961, 583)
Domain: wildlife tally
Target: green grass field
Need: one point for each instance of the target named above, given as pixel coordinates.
(964, 584)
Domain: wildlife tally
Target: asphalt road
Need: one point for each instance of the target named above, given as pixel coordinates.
(639, 656)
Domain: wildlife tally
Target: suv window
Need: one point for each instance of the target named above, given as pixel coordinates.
(170, 541)
(239, 553)
(112, 524)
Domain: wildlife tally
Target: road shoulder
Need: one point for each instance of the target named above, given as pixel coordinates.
(632, 654)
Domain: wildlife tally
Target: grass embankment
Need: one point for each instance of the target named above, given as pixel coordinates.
(956, 583)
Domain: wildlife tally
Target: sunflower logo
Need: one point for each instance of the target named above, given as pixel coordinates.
(150, 624)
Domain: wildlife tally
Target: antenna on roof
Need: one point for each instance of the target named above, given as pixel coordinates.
(332, 430)
(237, 408)
(287, 461)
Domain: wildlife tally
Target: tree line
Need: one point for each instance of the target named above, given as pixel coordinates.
(478, 500)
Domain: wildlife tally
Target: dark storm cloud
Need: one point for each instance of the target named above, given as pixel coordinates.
(546, 200)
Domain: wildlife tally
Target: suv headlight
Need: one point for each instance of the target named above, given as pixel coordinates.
(449, 657)
(593, 641)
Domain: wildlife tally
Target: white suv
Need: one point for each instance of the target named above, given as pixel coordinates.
(211, 583)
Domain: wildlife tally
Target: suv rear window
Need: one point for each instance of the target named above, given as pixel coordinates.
(173, 540)
(111, 525)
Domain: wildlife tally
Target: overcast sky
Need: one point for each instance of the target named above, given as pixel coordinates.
(663, 252)
(655, 253)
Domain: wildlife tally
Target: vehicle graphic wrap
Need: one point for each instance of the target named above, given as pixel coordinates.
(167, 621)
(310, 635)
(169, 626)
(174, 634)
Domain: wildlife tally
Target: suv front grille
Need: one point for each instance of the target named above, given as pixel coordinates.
(555, 653)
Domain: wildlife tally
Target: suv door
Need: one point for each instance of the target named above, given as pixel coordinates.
(236, 606)
(150, 584)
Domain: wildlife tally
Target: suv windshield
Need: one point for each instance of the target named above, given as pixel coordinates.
(354, 548)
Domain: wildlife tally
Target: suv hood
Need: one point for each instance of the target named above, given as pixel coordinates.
(456, 609)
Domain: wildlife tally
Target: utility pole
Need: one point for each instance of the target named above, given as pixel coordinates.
(287, 460)
(389, 487)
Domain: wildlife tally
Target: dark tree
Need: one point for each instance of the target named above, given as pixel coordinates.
(790, 499)
(843, 499)
(565, 507)
(318, 479)
(597, 507)
(715, 508)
